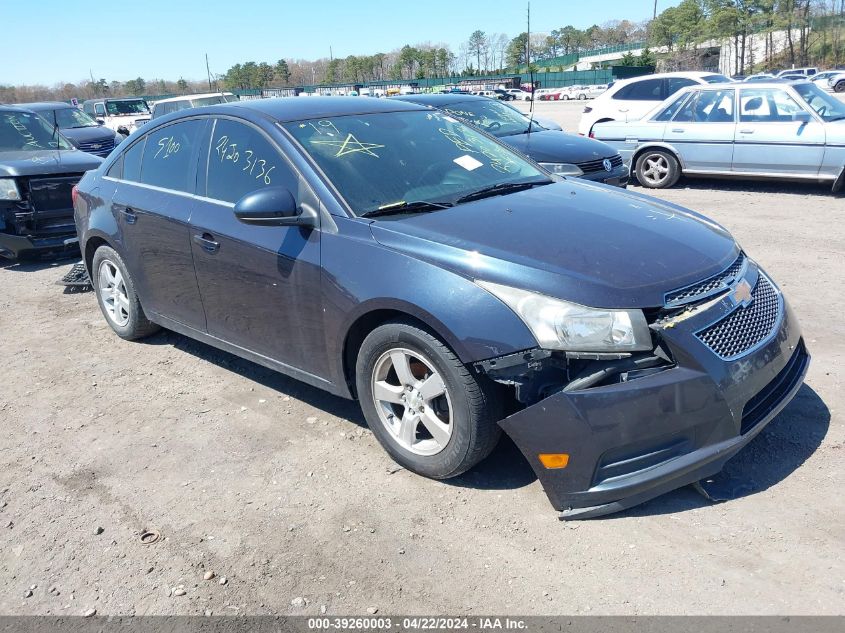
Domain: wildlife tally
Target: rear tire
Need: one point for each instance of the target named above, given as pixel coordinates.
(840, 86)
(431, 413)
(657, 169)
(117, 297)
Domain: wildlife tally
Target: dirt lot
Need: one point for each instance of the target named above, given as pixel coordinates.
(280, 488)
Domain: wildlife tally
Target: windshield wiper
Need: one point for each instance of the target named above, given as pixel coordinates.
(501, 189)
(406, 207)
(836, 118)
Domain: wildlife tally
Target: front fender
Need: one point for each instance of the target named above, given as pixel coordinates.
(474, 323)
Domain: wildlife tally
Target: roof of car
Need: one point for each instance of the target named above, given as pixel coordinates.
(437, 100)
(12, 108)
(290, 109)
(45, 105)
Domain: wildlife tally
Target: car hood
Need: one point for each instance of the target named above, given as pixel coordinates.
(550, 146)
(584, 242)
(88, 134)
(46, 162)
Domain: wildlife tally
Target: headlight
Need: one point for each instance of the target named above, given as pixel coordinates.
(563, 169)
(558, 324)
(9, 189)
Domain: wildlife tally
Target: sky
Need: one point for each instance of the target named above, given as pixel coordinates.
(49, 41)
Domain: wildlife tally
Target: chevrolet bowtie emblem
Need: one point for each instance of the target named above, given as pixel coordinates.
(741, 294)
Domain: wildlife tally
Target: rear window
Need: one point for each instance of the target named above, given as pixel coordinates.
(647, 90)
(716, 79)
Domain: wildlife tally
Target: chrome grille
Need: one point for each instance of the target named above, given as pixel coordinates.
(598, 165)
(709, 286)
(98, 148)
(747, 326)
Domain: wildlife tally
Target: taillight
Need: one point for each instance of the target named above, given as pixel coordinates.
(74, 194)
(592, 134)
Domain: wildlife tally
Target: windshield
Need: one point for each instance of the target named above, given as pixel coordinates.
(69, 118)
(827, 107)
(386, 159)
(492, 116)
(129, 106)
(207, 101)
(716, 79)
(26, 131)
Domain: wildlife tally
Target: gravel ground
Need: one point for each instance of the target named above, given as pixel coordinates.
(280, 493)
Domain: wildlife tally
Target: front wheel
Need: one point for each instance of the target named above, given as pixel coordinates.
(657, 169)
(839, 87)
(432, 414)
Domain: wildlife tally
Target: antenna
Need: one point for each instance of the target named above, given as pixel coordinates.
(208, 70)
(530, 70)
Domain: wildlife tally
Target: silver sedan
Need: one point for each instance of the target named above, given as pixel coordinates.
(763, 130)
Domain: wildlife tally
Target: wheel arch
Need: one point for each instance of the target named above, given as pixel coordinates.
(656, 145)
(91, 245)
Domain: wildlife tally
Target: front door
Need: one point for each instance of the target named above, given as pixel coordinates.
(260, 285)
(770, 141)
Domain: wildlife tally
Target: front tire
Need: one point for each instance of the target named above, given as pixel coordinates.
(117, 296)
(657, 169)
(840, 86)
(432, 414)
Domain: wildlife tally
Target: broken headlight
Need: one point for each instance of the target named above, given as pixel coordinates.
(9, 190)
(561, 325)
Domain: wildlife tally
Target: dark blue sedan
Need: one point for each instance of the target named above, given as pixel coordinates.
(388, 252)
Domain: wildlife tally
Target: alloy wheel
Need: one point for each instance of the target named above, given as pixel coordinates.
(112, 289)
(655, 169)
(412, 401)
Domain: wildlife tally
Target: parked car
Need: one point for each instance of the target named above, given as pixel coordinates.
(174, 104)
(821, 79)
(504, 95)
(559, 152)
(837, 83)
(123, 115)
(385, 251)
(766, 130)
(630, 99)
(581, 93)
(81, 130)
(519, 94)
(804, 72)
(38, 168)
(542, 94)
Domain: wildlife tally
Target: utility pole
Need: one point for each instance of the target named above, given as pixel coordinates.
(208, 70)
(655, 10)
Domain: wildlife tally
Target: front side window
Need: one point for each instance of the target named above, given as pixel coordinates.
(767, 105)
(167, 156)
(669, 111)
(646, 90)
(491, 116)
(241, 160)
(708, 106)
(127, 106)
(99, 109)
(389, 160)
(676, 83)
(28, 132)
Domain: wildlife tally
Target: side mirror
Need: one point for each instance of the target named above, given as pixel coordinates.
(802, 117)
(100, 122)
(273, 206)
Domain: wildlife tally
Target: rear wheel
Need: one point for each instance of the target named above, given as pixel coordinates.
(117, 297)
(840, 86)
(431, 413)
(657, 169)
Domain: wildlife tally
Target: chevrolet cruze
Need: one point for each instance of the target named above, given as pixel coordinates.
(387, 252)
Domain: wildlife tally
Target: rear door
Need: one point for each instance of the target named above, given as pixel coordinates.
(260, 285)
(703, 130)
(152, 202)
(770, 141)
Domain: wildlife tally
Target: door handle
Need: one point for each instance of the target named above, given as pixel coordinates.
(206, 241)
(746, 131)
(623, 109)
(128, 215)
(678, 130)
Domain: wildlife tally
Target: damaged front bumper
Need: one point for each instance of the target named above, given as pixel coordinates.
(635, 439)
(14, 246)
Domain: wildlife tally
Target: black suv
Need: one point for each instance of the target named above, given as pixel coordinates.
(38, 170)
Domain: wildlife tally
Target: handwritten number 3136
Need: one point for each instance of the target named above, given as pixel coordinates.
(229, 152)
